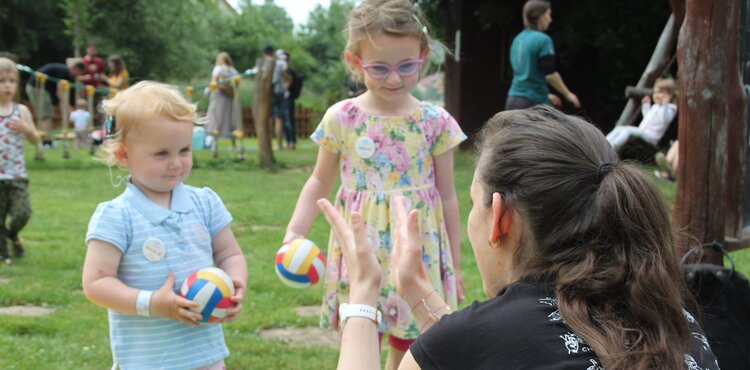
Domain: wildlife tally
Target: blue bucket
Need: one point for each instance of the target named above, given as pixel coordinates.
(199, 138)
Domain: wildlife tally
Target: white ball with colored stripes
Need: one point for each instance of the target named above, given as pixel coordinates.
(300, 263)
(212, 288)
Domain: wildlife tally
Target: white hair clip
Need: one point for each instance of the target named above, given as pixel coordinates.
(424, 28)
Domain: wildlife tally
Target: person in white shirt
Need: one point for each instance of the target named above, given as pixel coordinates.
(656, 117)
(80, 119)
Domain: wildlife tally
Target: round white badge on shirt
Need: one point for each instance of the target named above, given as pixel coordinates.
(364, 147)
(154, 249)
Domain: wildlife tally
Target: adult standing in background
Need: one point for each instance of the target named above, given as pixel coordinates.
(223, 116)
(532, 56)
(280, 97)
(94, 66)
(50, 96)
(295, 89)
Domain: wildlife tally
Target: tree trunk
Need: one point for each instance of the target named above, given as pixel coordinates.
(712, 131)
(261, 108)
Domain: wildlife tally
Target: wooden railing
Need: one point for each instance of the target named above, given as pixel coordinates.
(305, 121)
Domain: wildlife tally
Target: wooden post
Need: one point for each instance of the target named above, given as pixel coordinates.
(713, 130)
(261, 108)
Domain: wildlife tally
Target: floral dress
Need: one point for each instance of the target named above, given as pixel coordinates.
(382, 157)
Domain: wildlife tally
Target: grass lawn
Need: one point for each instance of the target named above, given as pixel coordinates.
(64, 194)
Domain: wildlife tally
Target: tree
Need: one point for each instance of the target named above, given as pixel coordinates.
(324, 39)
(713, 126)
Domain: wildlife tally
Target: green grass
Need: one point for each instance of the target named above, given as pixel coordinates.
(64, 194)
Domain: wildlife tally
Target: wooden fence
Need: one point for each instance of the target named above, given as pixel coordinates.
(305, 121)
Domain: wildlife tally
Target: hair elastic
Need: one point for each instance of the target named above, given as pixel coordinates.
(603, 170)
(120, 179)
(423, 27)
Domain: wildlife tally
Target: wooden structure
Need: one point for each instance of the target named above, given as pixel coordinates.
(305, 121)
(262, 108)
(713, 126)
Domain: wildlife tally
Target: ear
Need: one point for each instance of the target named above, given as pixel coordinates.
(425, 52)
(501, 218)
(121, 155)
(353, 60)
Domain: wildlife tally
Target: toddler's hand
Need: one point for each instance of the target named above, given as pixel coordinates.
(237, 298)
(646, 100)
(167, 304)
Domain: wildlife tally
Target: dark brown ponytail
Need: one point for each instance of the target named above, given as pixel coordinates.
(598, 228)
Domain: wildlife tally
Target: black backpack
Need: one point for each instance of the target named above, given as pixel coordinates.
(723, 297)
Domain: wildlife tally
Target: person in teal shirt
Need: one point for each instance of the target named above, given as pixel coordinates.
(532, 56)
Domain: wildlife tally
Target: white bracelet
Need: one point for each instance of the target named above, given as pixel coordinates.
(143, 302)
(359, 310)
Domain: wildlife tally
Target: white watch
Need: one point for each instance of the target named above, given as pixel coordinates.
(359, 310)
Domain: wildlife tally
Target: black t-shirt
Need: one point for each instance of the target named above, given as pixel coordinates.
(56, 70)
(521, 328)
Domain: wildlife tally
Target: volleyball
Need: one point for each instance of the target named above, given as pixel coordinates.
(299, 263)
(211, 288)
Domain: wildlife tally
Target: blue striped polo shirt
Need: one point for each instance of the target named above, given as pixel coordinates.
(185, 230)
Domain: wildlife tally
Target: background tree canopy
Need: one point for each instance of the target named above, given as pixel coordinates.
(601, 46)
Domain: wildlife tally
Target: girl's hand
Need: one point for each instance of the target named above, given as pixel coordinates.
(646, 99)
(365, 274)
(237, 298)
(406, 260)
(165, 303)
(18, 126)
(459, 286)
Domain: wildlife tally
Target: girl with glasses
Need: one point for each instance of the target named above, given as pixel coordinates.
(387, 143)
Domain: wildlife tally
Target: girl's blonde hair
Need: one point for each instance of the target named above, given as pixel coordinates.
(9, 66)
(223, 58)
(141, 102)
(384, 17)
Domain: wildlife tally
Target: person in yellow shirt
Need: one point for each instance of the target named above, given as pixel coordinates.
(118, 76)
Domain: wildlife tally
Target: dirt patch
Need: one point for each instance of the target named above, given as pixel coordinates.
(5, 280)
(303, 336)
(26, 311)
(308, 311)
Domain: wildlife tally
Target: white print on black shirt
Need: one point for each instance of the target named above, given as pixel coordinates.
(688, 316)
(691, 363)
(594, 365)
(548, 301)
(703, 340)
(555, 316)
(574, 344)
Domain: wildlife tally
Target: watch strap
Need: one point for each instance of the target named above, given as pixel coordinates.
(347, 310)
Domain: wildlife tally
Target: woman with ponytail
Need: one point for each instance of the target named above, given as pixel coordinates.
(576, 254)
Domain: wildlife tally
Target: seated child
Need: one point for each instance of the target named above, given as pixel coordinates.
(144, 243)
(656, 117)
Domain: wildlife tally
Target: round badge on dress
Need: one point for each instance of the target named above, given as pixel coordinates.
(365, 147)
(154, 249)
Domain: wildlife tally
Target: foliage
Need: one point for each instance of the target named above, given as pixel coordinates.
(33, 30)
(324, 39)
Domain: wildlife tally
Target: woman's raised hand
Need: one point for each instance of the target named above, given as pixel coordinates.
(365, 274)
(406, 260)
